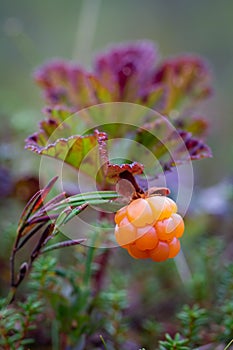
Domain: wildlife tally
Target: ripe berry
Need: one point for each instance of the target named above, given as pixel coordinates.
(174, 247)
(148, 240)
(161, 252)
(137, 253)
(150, 228)
(139, 213)
(169, 228)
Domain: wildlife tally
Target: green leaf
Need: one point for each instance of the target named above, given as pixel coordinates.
(27, 341)
(228, 345)
(67, 214)
(79, 201)
(86, 153)
(77, 151)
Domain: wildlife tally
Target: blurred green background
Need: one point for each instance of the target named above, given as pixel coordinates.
(35, 31)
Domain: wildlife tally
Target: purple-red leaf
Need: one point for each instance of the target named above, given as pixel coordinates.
(196, 147)
(185, 77)
(65, 84)
(49, 131)
(197, 125)
(171, 148)
(125, 73)
(124, 69)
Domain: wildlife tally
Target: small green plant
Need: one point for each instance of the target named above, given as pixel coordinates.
(17, 321)
(192, 320)
(227, 322)
(81, 307)
(176, 343)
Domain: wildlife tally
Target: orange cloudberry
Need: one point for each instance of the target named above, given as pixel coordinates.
(150, 228)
